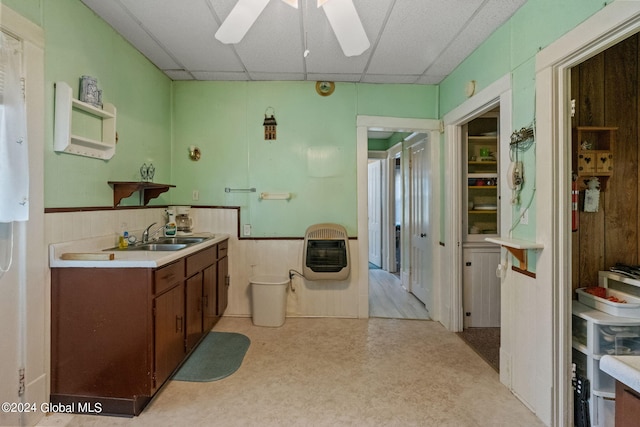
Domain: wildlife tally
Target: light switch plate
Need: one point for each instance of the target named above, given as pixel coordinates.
(247, 230)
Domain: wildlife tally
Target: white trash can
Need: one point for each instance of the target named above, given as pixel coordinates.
(268, 300)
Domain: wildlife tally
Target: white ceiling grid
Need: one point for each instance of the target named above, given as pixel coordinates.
(412, 41)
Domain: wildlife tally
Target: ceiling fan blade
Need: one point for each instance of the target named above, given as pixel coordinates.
(239, 20)
(343, 18)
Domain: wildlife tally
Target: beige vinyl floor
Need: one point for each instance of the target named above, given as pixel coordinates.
(337, 372)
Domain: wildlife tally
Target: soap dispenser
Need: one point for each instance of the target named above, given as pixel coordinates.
(170, 227)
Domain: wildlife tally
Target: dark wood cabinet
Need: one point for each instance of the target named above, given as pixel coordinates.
(209, 297)
(627, 406)
(169, 329)
(223, 277)
(117, 334)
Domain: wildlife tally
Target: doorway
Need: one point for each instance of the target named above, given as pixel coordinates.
(388, 296)
(392, 242)
(614, 23)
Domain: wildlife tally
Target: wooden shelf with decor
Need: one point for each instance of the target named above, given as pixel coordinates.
(593, 148)
(148, 190)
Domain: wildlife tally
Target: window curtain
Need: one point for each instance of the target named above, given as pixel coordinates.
(14, 156)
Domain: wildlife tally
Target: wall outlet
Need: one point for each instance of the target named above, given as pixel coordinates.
(524, 216)
(195, 195)
(247, 230)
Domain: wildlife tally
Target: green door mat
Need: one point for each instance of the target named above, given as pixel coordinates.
(219, 355)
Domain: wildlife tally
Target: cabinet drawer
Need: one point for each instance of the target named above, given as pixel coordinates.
(616, 339)
(168, 276)
(200, 260)
(223, 247)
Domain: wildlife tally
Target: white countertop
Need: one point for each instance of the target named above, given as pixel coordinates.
(625, 369)
(123, 258)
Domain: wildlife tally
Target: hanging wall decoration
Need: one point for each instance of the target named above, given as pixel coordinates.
(269, 125)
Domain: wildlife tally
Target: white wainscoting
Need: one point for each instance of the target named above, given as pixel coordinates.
(247, 257)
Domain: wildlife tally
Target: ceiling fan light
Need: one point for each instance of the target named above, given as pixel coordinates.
(239, 20)
(345, 22)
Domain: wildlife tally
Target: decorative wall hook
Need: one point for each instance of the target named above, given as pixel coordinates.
(269, 125)
(194, 153)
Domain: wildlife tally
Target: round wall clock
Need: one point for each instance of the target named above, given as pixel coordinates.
(325, 88)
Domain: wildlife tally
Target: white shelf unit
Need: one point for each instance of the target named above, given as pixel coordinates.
(595, 334)
(67, 142)
(480, 215)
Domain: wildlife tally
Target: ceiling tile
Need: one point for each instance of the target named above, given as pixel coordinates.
(186, 32)
(123, 23)
(412, 41)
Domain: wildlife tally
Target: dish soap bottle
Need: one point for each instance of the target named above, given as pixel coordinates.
(123, 242)
(170, 227)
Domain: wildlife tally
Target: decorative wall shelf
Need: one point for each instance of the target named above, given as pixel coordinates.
(593, 146)
(518, 249)
(67, 142)
(148, 190)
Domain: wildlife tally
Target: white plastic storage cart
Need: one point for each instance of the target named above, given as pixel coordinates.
(599, 329)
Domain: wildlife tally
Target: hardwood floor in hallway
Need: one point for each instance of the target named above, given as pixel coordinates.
(388, 299)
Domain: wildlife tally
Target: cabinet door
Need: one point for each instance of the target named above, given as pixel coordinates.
(193, 314)
(481, 288)
(627, 406)
(210, 297)
(169, 332)
(223, 284)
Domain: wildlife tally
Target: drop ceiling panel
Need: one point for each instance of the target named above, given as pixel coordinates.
(123, 23)
(274, 42)
(191, 37)
(417, 32)
(412, 41)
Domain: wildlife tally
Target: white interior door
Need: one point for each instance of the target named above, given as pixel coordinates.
(375, 212)
(421, 256)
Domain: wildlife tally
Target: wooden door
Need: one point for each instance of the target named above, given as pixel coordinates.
(193, 314)
(209, 297)
(169, 332)
(223, 284)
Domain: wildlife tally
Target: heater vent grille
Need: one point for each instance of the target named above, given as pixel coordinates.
(326, 252)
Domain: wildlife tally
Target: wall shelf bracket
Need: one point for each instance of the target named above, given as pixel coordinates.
(519, 249)
(148, 190)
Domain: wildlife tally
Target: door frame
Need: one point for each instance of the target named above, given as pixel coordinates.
(605, 28)
(498, 94)
(363, 124)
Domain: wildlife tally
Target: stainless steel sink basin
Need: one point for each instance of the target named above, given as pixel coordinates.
(158, 247)
(181, 239)
(164, 244)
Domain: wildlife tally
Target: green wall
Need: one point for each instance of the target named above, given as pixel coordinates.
(313, 157)
(78, 43)
(512, 50)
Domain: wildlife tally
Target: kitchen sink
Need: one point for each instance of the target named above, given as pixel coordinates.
(164, 244)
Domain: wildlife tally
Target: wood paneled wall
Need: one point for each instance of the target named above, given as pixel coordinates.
(605, 88)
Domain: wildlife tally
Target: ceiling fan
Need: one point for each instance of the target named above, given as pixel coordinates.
(341, 14)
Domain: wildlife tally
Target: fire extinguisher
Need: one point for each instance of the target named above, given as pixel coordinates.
(575, 195)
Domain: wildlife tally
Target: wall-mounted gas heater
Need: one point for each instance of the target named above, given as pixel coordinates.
(326, 253)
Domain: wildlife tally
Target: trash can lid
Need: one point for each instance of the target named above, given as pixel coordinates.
(269, 280)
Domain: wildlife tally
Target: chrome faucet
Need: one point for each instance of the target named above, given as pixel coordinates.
(145, 233)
